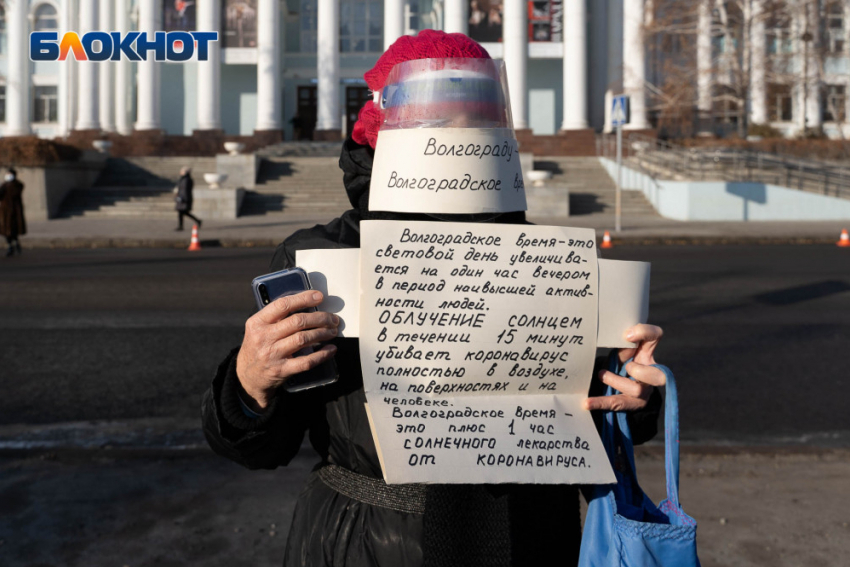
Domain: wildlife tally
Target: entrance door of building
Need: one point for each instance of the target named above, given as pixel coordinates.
(355, 98)
(304, 121)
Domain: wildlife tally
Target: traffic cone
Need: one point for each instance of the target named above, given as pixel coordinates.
(195, 245)
(606, 241)
(844, 241)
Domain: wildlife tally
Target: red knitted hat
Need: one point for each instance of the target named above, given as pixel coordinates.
(428, 44)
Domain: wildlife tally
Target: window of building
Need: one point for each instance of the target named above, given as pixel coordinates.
(726, 107)
(835, 31)
(423, 15)
(361, 25)
(835, 103)
(46, 105)
(673, 43)
(728, 28)
(778, 31)
(309, 25)
(3, 103)
(2, 30)
(46, 18)
(779, 103)
(723, 44)
(413, 16)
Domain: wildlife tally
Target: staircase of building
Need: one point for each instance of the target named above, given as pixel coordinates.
(591, 189)
(294, 177)
(303, 179)
(302, 149)
(298, 185)
(139, 187)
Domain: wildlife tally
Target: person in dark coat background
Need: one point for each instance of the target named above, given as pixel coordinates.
(183, 199)
(12, 222)
(346, 515)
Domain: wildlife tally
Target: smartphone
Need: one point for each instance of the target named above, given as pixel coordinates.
(269, 287)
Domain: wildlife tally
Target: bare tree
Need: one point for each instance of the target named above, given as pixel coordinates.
(832, 43)
(682, 82)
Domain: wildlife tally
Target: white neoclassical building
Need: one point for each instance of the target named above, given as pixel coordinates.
(297, 65)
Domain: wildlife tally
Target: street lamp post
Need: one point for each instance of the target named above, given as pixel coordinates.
(806, 38)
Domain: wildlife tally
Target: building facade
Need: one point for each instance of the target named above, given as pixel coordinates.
(297, 65)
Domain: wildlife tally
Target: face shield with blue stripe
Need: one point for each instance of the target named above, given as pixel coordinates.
(446, 145)
(446, 93)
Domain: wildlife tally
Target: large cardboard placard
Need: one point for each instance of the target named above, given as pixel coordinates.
(448, 171)
(477, 346)
(623, 292)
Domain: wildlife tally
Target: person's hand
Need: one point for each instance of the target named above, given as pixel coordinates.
(635, 393)
(273, 335)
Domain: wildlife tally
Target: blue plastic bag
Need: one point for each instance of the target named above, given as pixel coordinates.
(623, 527)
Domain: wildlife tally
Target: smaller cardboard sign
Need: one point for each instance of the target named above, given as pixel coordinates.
(336, 273)
(623, 300)
(447, 171)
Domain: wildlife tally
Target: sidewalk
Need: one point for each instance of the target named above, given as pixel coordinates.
(105, 508)
(272, 228)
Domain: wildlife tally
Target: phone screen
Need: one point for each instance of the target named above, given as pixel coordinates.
(279, 284)
(290, 282)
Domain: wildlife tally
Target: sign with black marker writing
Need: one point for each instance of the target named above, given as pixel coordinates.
(447, 170)
(623, 292)
(477, 346)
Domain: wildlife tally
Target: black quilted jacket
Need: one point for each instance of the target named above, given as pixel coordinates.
(462, 526)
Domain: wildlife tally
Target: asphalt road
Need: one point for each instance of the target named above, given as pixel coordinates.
(757, 335)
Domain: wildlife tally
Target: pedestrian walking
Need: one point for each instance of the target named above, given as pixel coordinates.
(12, 222)
(183, 198)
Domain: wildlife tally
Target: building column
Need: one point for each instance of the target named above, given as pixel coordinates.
(18, 76)
(65, 91)
(515, 40)
(814, 101)
(106, 70)
(122, 72)
(209, 72)
(328, 123)
(575, 65)
(268, 66)
(148, 96)
(634, 64)
(758, 65)
(705, 71)
(456, 16)
(393, 21)
(88, 114)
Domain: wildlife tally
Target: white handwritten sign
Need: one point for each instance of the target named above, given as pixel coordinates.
(447, 170)
(477, 346)
(623, 292)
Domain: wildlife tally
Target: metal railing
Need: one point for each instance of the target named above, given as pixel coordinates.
(667, 160)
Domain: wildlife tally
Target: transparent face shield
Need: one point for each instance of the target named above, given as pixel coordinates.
(446, 147)
(446, 93)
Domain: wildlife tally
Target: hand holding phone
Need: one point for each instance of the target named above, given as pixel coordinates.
(273, 336)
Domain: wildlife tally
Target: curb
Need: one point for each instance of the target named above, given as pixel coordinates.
(721, 240)
(96, 242)
(92, 243)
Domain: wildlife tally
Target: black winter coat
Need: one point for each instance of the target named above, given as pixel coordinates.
(12, 221)
(183, 199)
(462, 525)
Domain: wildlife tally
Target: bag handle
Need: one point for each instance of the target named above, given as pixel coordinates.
(616, 433)
(671, 435)
(671, 431)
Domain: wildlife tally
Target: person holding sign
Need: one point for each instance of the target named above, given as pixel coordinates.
(428, 103)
